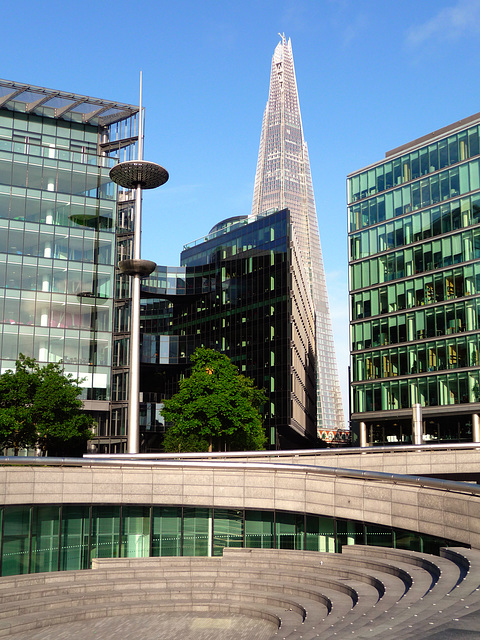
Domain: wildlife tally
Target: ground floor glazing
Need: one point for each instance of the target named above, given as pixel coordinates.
(67, 537)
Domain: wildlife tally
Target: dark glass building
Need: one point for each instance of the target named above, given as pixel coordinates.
(242, 291)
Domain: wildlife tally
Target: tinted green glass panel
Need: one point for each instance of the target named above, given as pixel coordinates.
(75, 531)
(166, 531)
(378, 536)
(135, 532)
(105, 532)
(320, 534)
(197, 531)
(349, 532)
(16, 540)
(45, 539)
(289, 531)
(228, 529)
(259, 529)
(407, 540)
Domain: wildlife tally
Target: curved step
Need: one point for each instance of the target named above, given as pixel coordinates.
(365, 592)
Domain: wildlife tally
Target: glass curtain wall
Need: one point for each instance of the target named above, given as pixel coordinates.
(57, 247)
(63, 227)
(240, 292)
(414, 251)
(67, 537)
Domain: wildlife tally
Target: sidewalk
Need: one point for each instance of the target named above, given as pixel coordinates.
(162, 626)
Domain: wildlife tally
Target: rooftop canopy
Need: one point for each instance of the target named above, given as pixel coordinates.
(62, 105)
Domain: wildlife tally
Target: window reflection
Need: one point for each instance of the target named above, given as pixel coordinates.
(66, 537)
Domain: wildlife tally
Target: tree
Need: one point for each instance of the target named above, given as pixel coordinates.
(215, 408)
(40, 406)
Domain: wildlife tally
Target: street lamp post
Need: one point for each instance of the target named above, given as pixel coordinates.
(136, 175)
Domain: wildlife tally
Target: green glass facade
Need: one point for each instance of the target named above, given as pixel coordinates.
(63, 227)
(49, 257)
(414, 253)
(241, 291)
(67, 537)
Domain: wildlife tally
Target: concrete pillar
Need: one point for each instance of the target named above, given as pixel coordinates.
(46, 282)
(475, 427)
(470, 319)
(410, 327)
(417, 424)
(363, 434)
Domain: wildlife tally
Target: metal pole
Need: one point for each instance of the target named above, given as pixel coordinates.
(417, 425)
(140, 121)
(136, 174)
(133, 433)
(133, 438)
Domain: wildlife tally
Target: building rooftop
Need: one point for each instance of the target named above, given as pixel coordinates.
(26, 98)
(430, 137)
(422, 141)
(222, 228)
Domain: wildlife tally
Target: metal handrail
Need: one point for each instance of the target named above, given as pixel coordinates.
(360, 474)
(337, 451)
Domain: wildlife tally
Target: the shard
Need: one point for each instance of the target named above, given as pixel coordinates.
(283, 180)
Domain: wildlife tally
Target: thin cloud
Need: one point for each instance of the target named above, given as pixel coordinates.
(354, 29)
(451, 23)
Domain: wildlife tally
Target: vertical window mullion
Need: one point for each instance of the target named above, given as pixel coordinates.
(211, 533)
(275, 529)
(30, 525)
(120, 532)
(150, 548)
(181, 531)
(2, 515)
(90, 514)
(243, 528)
(60, 519)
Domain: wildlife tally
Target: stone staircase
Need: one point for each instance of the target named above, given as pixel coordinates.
(364, 592)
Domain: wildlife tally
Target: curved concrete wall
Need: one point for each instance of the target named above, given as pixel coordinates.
(451, 514)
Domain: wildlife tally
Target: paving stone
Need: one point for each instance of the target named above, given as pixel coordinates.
(162, 626)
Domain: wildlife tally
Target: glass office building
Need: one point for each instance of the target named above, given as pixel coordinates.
(414, 250)
(242, 291)
(64, 226)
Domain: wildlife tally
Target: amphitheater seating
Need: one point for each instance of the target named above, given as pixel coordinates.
(364, 592)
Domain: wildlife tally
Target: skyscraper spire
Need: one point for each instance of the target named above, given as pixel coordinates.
(283, 180)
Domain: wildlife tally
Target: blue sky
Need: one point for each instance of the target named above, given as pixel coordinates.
(371, 75)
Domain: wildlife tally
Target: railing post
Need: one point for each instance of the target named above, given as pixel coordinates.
(363, 434)
(417, 425)
(475, 427)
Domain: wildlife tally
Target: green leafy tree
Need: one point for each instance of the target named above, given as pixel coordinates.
(40, 406)
(215, 408)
